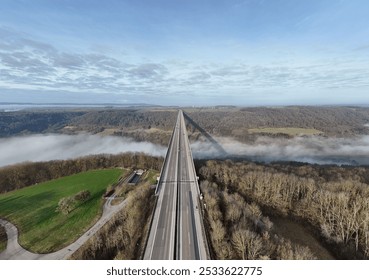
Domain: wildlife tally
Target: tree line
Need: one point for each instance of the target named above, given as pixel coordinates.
(26, 174)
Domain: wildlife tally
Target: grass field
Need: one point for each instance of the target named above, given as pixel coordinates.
(32, 209)
(292, 131)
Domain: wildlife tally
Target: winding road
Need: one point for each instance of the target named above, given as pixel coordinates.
(14, 251)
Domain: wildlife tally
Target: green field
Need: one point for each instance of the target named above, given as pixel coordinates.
(292, 131)
(33, 209)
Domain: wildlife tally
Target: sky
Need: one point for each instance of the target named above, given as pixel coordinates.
(185, 52)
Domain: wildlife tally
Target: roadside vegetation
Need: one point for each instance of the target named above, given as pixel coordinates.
(44, 224)
(124, 236)
(3, 239)
(332, 201)
(122, 191)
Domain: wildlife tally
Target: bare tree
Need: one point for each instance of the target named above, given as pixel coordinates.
(247, 244)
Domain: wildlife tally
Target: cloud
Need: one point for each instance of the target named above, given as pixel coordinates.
(315, 149)
(148, 71)
(54, 146)
(69, 61)
(28, 64)
(362, 47)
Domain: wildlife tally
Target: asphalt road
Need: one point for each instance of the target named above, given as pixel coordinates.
(161, 243)
(176, 231)
(188, 245)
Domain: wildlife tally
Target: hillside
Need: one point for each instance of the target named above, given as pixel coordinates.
(34, 209)
(155, 125)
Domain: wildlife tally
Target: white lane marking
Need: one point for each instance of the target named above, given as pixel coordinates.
(167, 208)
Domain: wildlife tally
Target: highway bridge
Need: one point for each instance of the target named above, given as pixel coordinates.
(177, 231)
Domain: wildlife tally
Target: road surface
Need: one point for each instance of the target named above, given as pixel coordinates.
(176, 231)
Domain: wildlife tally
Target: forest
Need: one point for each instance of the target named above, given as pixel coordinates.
(241, 197)
(155, 124)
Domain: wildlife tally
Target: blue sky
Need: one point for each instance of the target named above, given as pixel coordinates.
(171, 52)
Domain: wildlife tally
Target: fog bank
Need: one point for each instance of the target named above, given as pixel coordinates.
(56, 146)
(316, 149)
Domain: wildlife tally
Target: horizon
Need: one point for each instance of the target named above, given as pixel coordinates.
(68, 104)
(193, 53)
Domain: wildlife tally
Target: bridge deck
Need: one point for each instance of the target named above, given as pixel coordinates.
(176, 231)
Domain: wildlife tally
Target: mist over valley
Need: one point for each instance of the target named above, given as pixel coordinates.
(317, 135)
(312, 149)
(309, 149)
(57, 146)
